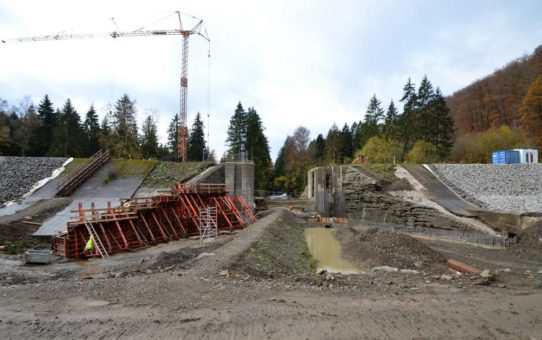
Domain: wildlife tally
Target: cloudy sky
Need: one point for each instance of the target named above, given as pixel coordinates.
(309, 63)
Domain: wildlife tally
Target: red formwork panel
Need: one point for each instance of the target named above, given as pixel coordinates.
(141, 222)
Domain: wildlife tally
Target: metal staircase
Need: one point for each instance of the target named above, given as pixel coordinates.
(73, 181)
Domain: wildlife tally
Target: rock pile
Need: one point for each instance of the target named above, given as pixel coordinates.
(513, 187)
(19, 174)
(364, 201)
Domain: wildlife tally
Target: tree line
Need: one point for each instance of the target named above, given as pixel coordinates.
(421, 132)
(43, 130)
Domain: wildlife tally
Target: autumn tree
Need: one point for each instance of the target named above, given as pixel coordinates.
(531, 111)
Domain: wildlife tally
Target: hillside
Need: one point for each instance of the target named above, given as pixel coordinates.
(495, 100)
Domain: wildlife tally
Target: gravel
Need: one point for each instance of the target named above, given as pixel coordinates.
(19, 174)
(515, 188)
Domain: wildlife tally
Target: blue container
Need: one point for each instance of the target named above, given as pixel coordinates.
(505, 157)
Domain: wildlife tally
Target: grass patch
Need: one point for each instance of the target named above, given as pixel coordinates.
(165, 174)
(75, 164)
(280, 251)
(127, 168)
(386, 170)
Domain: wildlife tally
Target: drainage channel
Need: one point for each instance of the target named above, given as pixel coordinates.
(326, 249)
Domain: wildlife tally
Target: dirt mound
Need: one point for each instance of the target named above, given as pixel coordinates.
(373, 248)
(530, 243)
(281, 250)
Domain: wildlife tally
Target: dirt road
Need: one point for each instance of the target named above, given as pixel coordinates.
(166, 305)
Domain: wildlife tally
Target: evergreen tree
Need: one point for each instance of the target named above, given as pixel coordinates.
(319, 149)
(442, 127)
(237, 131)
(257, 148)
(347, 141)
(30, 125)
(124, 143)
(390, 122)
(68, 134)
(406, 121)
(91, 128)
(197, 147)
(172, 136)
(334, 146)
(149, 138)
(423, 120)
(48, 118)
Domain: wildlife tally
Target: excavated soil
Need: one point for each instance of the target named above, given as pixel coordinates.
(530, 243)
(374, 248)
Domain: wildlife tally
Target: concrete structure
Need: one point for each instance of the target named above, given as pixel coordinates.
(239, 180)
(325, 185)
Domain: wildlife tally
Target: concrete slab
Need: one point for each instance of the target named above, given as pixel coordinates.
(94, 190)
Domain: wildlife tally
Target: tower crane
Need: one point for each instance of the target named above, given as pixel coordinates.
(197, 29)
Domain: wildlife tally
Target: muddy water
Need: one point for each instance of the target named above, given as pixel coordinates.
(325, 248)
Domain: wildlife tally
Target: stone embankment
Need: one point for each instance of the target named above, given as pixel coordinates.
(19, 174)
(515, 188)
(364, 201)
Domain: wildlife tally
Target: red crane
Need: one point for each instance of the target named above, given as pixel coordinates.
(198, 29)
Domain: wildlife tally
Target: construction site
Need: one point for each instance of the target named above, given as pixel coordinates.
(107, 247)
(179, 252)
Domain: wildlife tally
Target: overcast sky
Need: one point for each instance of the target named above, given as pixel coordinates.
(309, 63)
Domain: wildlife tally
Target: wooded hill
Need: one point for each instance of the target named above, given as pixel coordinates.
(496, 100)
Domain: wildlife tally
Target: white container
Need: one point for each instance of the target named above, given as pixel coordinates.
(528, 156)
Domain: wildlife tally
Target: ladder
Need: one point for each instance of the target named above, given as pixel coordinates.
(97, 241)
(207, 223)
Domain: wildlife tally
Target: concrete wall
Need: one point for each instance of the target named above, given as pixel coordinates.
(325, 185)
(239, 179)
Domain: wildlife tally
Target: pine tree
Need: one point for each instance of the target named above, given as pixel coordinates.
(319, 149)
(48, 118)
(390, 122)
(442, 127)
(172, 136)
(531, 111)
(423, 120)
(347, 139)
(197, 147)
(149, 138)
(237, 131)
(334, 146)
(124, 143)
(68, 134)
(372, 123)
(30, 125)
(406, 121)
(91, 128)
(257, 147)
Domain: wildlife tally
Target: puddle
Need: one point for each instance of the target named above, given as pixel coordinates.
(325, 248)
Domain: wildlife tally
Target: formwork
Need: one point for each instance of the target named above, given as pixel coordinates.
(140, 222)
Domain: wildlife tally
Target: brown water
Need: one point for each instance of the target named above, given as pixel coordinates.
(326, 249)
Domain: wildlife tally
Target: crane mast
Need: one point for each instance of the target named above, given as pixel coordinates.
(198, 29)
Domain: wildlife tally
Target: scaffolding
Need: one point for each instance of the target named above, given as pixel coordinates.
(141, 222)
(208, 228)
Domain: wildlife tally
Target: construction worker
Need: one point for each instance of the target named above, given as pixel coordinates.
(89, 247)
